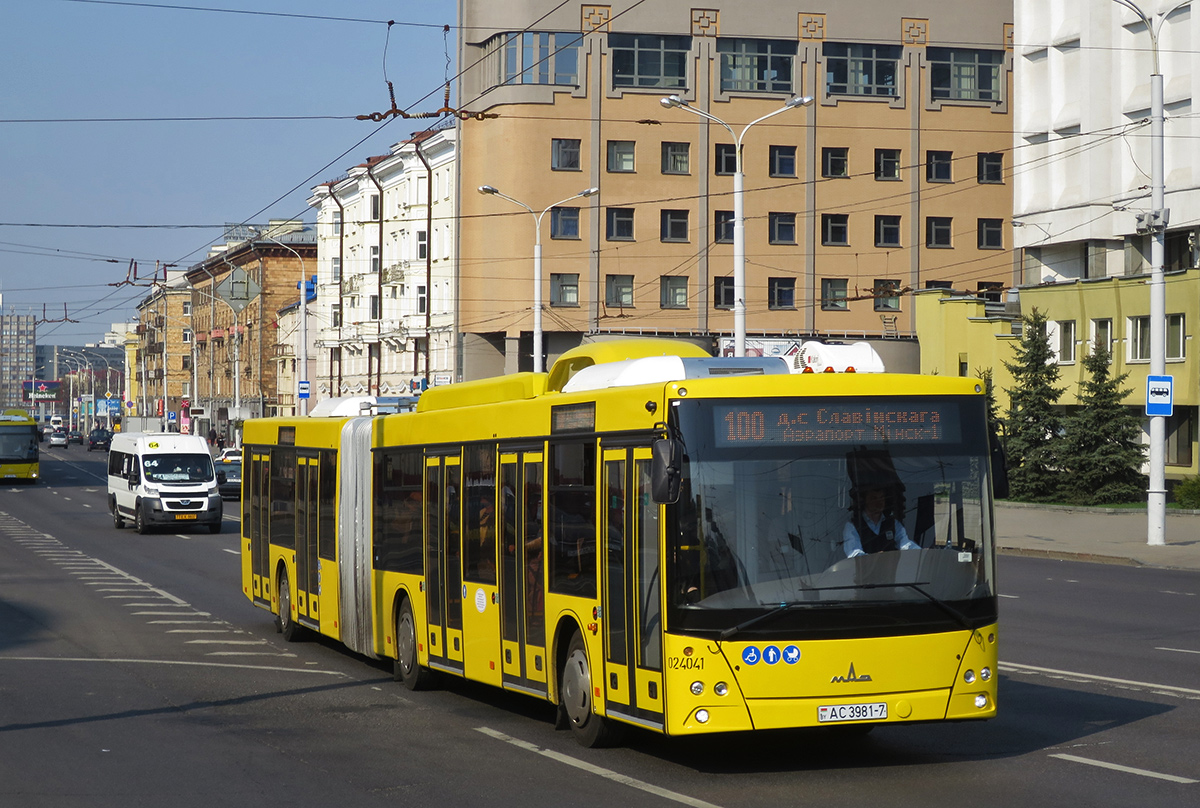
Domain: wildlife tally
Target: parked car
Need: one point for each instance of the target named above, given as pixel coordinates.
(75, 436)
(99, 438)
(58, 438)
(232, 453)
(230, 485)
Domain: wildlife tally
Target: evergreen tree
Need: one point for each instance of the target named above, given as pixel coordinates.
(1102, 451)
(1032, 426)
(986, 376)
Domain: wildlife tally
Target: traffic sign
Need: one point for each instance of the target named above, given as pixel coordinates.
(304, 390)
(1160, 395)
(171, 415)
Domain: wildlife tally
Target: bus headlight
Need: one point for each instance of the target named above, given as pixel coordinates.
(985, 674)
(697, 688)
(702, 716)
(981, 700)
(720, 688)
(969, 676)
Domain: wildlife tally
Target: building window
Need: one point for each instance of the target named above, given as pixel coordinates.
(835, 229)
(335, 315)
(1176, 337)
(647, 60)
(373, 307)
(619, 224)
(835, 162)
(564, 289)
(564, 154)
(673, 292)
(422, 299)
(1102, 336)
(723, 293)
(783, 228)
(938, 166)
(833, 294)
(186, 387)
(937, 232)
(1138, 339)
(187, 336)
(887, 164)
(887, 295)
(756, 65)
(675, 157)
(991, 168)
(1181, 433)
(564, 223)
(887, 231)
(861, 69)
(674, 225)
(187, 309)
(783, 161)
(991, 234)
(723, 226)
(375, 207)
(538, 57)
(781, 293)
(620, 156)
(422, 245)
(335, 270)
(375, 259)
(964, 74)
(337, 222)
(1066, 342)
(726, 159)
(618, 291)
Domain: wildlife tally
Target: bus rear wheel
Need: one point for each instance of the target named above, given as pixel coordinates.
(284, 623)
(575, 700)
(407, 669)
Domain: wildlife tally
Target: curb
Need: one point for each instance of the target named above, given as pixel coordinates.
(1062, 555)
(1049, 506)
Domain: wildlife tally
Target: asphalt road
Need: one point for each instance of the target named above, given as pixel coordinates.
(134, 672)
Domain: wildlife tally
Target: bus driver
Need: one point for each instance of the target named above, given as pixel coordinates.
(872, 527)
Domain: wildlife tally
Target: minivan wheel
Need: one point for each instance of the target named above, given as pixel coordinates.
(139, 520)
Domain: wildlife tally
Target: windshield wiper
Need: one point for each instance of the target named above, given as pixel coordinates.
(957, 616)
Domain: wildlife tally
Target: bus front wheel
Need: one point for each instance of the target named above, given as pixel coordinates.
(407, 668)
(575, 700)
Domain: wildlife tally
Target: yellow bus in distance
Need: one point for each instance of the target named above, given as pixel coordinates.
(19, 451)
(650, 536)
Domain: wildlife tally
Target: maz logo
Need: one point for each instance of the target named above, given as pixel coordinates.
(852, 676)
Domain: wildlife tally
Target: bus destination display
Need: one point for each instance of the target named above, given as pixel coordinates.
(874, 422)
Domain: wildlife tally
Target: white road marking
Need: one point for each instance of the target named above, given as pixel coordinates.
(235, 552)
(1178, 650)
(597, 770)
(1127, 769)
(1167, 690)
(173, 614)
(226, 642)
(185, 663)
(1014, 597)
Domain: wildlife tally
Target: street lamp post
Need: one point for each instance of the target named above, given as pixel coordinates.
(739, 213)
(1156, 222)
(537, 261)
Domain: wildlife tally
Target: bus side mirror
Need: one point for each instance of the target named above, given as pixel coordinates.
(999, 466)
(666, 470)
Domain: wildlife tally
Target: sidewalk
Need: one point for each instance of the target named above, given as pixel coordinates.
(1096, 534)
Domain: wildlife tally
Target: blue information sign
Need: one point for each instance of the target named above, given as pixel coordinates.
(1160, 395)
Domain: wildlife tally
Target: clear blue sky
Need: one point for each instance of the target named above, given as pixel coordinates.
(68, 60)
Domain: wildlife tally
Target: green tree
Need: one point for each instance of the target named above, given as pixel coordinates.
(1032, 425)
(1102, 452)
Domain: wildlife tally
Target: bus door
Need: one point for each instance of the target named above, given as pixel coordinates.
(308, 565)
(481, 594)
(443, 563)
(631, 616)
(257, 528)
(522, 572)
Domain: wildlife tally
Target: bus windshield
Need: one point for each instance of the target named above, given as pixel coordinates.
(178, 468)
(18, 443)
(835, 517)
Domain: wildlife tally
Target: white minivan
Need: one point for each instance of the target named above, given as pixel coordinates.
(162, 478)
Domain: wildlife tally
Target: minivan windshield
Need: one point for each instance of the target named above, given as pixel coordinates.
(177, 468)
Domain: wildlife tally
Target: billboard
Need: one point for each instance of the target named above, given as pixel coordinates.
(36, 390)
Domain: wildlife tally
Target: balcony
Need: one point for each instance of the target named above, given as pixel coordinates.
(218, 333)
(394, 274)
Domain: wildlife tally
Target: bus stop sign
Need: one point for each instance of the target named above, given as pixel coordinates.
(1160, 395)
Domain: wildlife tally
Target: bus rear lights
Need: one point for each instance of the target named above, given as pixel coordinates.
(721, 689)
(697, 688)
(981, 701)
(702, 716)
(985, 674)
(969, 676)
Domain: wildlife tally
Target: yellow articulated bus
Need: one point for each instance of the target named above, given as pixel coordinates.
(648, 535)
(19, 438)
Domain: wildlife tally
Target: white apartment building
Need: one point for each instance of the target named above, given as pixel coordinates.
(1081, 150)
(386, 280)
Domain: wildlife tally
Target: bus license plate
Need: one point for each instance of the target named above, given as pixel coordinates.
(876, 711)
(185, 516)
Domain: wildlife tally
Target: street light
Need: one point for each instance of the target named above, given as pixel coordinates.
(739, 214)
(1156, 222)
(488, 190)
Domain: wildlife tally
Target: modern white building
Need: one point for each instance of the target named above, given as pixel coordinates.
(1081, 150)
(386, 287)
